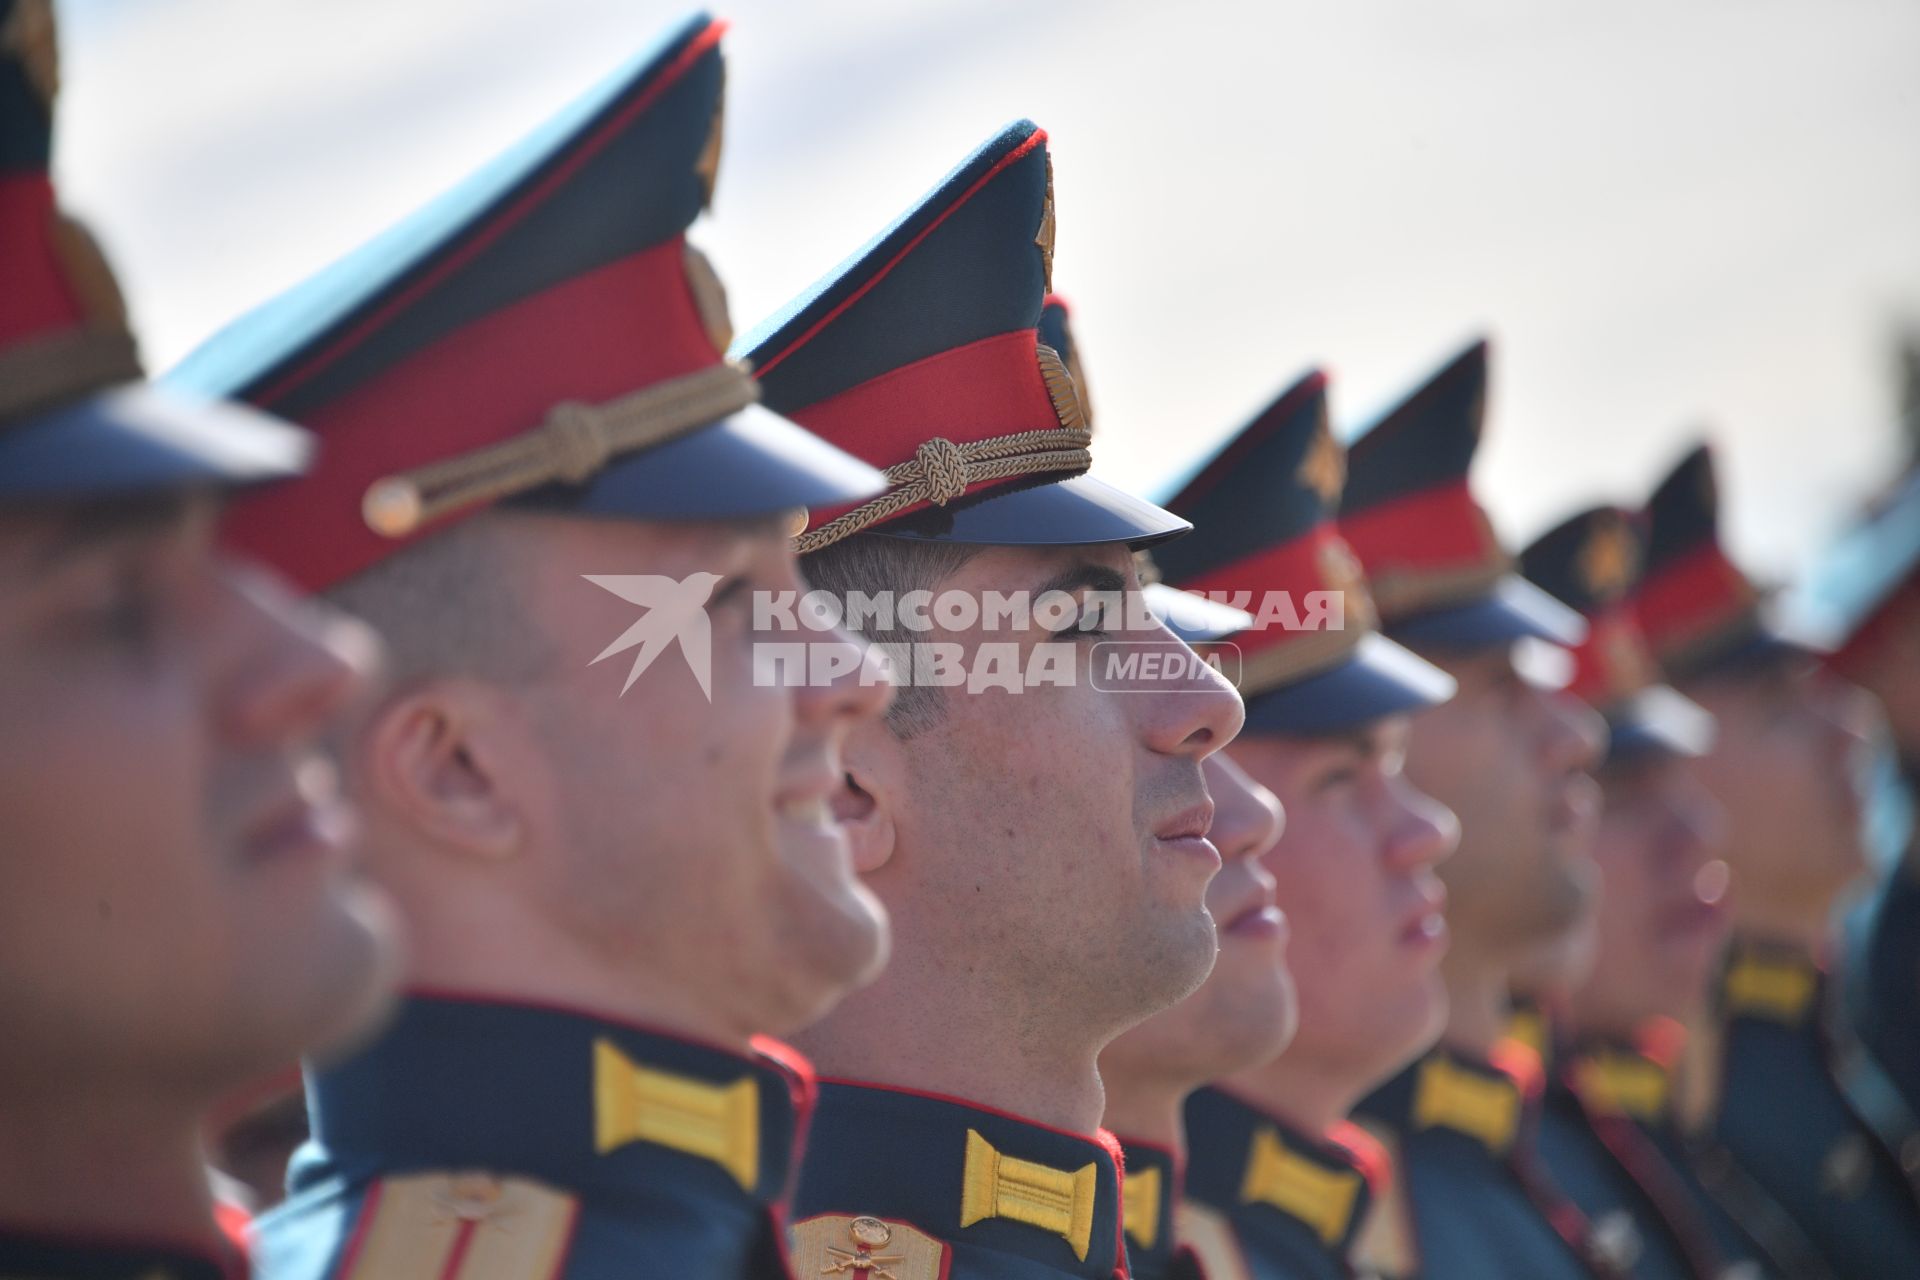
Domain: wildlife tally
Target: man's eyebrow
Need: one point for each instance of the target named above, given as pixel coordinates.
(1363, 742)
(1097, 577)
(748, 528)
(86, 528)
(1631, 772)
(1368, 741)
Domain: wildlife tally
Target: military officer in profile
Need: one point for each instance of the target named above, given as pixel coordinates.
(1512, 759)
(1767, 1093)
(1865, 598)
(1609, 1134)
(612, 840)
(1278, 1182)
(176, 914)
(1037, 830)
(1244, 1013)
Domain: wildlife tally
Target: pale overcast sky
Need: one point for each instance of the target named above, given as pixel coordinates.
(1671, 214)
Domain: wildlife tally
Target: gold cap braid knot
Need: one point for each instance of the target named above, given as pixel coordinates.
(579, 445)
(573, 443)
(943, 468)
(940, 471)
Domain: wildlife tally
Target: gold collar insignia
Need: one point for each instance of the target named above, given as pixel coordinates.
(997, 1186)
(1140, 1205)
(1452, 1097)
(1301, 1188)
(716, 1122)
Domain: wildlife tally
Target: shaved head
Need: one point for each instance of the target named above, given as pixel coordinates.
(452, 604)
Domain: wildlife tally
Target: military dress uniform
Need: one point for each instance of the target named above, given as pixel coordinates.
(1262, 1198)
(1879, 1030)
(1194, 618)
(1857, 587)
(1530, 1024)
(1471, 1196)
(925, 1186)
(493, 1138)
(1265, 1201)
(32, 1255)
(1775, 1107)
(1151, 1190)
(1615, 1082)
(1438, 573)
(1151, 1185)
(1605, 1099)
(79, 424)
(1626, 1093)
(543, 338)
(1776, 1118)
(921, 355)
(1264, 506)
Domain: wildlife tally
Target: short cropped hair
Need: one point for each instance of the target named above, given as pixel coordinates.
(871, 563)
(448, 606)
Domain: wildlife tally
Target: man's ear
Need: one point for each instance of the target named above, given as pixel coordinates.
(869, 792)
(438, 760)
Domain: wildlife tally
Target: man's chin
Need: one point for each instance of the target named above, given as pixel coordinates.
(1254, 1013)
(821, 855)
(1425, 1020)
(1192, 949)
(1566, 896)
(845, 948)
(349, 997)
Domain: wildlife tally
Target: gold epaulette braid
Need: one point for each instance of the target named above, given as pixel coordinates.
(574, 442)
(941, 471)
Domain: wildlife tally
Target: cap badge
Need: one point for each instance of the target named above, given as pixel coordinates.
(1324, 469)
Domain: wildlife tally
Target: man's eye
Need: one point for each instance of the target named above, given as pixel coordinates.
(127, 615)
(1095, 618)
(1344, 776)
